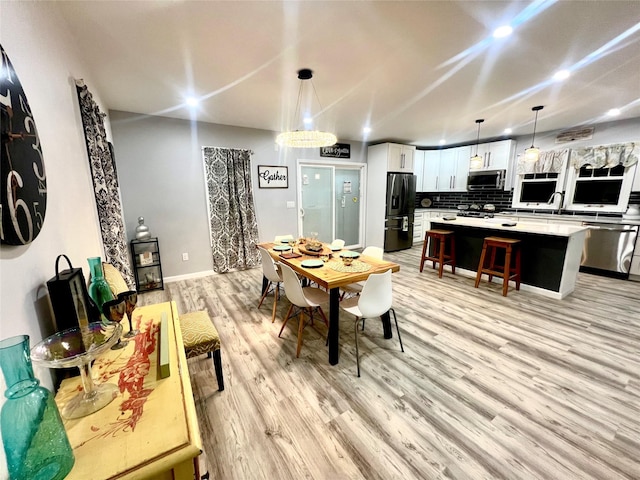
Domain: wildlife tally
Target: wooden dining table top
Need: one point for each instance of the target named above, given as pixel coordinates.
(325, 276)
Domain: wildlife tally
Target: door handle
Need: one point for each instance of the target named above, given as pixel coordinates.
(301, 212)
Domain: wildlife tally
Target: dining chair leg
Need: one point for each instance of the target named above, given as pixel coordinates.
(286, 319)
(324, 317)
(275, 302)
(300, 329)
(264, 294)
(397, 329)
(357, 350)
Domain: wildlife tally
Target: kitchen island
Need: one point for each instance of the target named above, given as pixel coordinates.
(551, 253)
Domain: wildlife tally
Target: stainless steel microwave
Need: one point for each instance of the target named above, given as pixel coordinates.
(486, 180)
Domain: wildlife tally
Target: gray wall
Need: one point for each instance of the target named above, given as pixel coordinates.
(161, 175)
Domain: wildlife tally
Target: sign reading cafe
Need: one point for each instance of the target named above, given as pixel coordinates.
(272, 176)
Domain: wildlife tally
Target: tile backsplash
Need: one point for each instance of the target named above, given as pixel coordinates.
(501, 200)
(451, 200)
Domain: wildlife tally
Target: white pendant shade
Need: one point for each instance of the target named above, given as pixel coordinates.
(531, 154)
(476, 162)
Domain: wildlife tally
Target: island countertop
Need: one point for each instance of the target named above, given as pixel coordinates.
(550, 252)
(505, 224)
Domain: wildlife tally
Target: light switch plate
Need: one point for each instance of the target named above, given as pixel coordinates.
(291, 204)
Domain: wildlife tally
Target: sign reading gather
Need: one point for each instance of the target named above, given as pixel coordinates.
(272, 176)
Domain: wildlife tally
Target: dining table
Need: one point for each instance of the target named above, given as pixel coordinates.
(331, 275)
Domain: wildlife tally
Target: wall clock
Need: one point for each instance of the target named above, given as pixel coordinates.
(23, 181)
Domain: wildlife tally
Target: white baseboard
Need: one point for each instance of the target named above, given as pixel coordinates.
(188, 276)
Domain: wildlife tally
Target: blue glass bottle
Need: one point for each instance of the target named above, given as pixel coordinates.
(35, 441)
(99, 290)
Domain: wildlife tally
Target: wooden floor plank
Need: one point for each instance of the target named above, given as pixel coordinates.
(489, 387)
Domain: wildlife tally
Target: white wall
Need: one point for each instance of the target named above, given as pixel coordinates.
(161, 176)
(44, 58)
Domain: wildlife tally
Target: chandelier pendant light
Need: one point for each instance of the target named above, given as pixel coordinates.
(305, 138)
(532, 153)
(477, 161)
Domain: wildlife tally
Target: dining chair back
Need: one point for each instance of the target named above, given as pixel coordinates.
(375, 300)
(355, 288)
(337, 244)
(307, 300)
(376, 252)
(280, 238)
(274, 278)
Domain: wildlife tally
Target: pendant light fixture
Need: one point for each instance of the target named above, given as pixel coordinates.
(477, 161)
(305, 138)
(532, 154)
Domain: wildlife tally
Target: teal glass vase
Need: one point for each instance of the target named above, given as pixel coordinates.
(35, 441)
(99, 290)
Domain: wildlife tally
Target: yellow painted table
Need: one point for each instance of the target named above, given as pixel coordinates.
(150, 430)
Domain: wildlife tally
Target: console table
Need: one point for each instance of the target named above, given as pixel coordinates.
(150, 430)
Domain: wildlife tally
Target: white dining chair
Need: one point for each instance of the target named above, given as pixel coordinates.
(307, 300)
(374, 301)
(337, 244)
(355, 288)
(280, 238)
(274, 278)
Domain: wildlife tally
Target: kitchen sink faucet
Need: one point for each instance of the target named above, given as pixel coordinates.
(553, 195)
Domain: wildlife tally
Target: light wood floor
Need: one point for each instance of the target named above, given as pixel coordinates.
(522, 387)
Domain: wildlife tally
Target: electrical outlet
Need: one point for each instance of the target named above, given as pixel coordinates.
(185, 257)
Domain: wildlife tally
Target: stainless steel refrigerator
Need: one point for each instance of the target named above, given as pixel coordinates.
(400, 207)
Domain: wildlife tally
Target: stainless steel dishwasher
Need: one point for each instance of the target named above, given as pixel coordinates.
(608, 247)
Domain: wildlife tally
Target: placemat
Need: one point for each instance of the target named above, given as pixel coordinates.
(355, 267)
(290, 255)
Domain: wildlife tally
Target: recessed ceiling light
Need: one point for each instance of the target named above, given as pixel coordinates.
(614, 112)
(503, 31)
(366, 130)
(443, 141)
(561, 75)
(507, 131)
(192, 101)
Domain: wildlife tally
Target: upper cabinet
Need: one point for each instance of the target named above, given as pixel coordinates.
(445, 170)
(400, 158)
(495, 155)
(418, 169)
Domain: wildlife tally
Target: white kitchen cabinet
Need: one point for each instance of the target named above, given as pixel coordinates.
(495, 155)
(400, 158)
(431, 169)
(446, 170)
(418, 227)
(418, 169)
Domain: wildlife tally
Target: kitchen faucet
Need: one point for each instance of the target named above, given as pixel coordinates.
(550, 201)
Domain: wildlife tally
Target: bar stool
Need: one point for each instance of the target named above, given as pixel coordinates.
(439, 240)
(507, 272)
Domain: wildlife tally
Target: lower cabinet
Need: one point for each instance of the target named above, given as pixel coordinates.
(418, 229)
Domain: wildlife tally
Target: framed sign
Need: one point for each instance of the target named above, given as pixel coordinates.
(271, 176)
(339, 150)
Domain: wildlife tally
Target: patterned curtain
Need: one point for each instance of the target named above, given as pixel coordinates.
(609, 156)
(232, 218)
(105, 184)
(551, 161)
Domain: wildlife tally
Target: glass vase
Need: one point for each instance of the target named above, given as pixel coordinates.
(99, 290)
(35, 441)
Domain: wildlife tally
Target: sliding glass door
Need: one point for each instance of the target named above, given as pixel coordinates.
(330, 200)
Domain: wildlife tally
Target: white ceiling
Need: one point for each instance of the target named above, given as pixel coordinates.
(416, 72)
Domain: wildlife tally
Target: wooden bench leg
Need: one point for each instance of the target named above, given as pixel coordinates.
(217, 364)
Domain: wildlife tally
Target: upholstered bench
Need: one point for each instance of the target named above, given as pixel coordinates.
(200, 336)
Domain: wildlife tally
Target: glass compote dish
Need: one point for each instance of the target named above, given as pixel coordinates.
(78, 347)
(131, 299)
